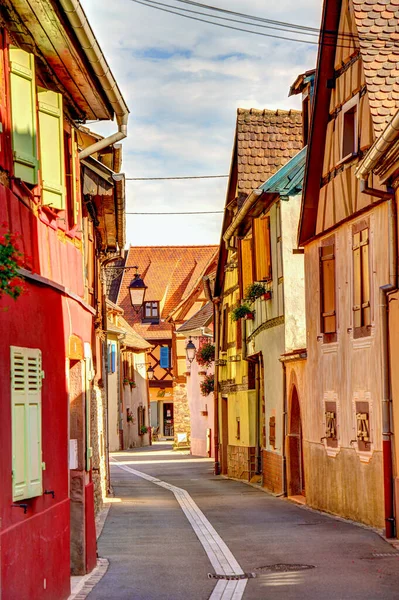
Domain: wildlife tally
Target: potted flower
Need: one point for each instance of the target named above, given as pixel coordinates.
(143, 429)
(125, 381)
(254, 291)
(132, 383)
(129, 417)
(205, 354)
(267, 295)
(11, 258)
(207, 386)
(242, 311)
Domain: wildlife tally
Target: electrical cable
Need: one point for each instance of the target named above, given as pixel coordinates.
(278, 37)
(289, 26)
(204, 212)
(266, 26)
(175, 178)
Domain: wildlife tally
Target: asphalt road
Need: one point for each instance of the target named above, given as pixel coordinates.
(294, 552)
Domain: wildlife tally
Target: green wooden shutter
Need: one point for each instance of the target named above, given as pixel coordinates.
(23, 114)
(89, 375)
(51, 133)
(26, 385)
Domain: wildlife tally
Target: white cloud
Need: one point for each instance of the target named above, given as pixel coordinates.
(183, 82)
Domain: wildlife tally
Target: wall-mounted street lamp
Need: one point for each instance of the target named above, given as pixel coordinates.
(191, 351)
(150, 373)
(137, 289)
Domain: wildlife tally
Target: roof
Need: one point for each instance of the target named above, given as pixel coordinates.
(132, 339)
(60, 33)
(288, 180)
(377, 24)
(265, 140)
(170, 273)
(158, 331)
(202, 318)
(301, 82)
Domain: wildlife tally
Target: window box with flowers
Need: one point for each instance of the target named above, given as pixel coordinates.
(242, 311)
(254, 291)
(207, 385)
(205, 355)
(11, 258)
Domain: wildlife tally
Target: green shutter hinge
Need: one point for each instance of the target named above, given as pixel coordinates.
(89, 452)
(43, 374)
(43, 466)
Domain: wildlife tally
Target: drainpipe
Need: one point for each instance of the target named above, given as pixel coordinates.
(249, 202)
(258, 455)
(285, 430)
(84, 33)
(216, 303)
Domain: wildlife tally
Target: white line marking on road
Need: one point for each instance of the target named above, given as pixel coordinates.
(217, 551)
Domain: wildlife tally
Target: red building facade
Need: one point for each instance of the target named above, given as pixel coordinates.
(50, 348)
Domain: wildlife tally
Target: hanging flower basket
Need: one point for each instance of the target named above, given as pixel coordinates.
(132, 383)
(267, 295)
(254, 291)
(126, 381)
(11, 258)
(205, 355)
(207, 386)
(241, 311)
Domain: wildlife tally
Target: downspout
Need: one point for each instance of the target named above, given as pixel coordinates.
(258, 456)
(216, 303)
(242, 213)
(84, 33)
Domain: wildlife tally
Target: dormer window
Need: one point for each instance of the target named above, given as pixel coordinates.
(151, 312)
(349, 145)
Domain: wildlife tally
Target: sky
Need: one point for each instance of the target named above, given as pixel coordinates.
(183, 82)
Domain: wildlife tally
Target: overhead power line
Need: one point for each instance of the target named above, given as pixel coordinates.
(199, 212)
(175, 178)
(291, 28)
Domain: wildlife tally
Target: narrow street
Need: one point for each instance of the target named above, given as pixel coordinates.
(293, 552)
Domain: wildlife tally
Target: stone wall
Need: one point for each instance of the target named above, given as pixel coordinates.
(241, 462)
(98, 444)
(273, 478)
(181, 416)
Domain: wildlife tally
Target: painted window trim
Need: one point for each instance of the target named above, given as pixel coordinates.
(363, 331)
(353, 102)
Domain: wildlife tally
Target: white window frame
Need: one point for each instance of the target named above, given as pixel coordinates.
(353, 102)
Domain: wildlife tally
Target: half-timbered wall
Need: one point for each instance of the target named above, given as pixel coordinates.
(340, 195)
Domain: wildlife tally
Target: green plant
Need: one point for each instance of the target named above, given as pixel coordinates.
(11, 258)
(254, 291)
(143, 429)
(207, 385)
(205, 355)
(126, 381)
(240, 311)
(132, 383)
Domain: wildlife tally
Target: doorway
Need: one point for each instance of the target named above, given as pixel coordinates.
(168, 429)
(295, 467)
